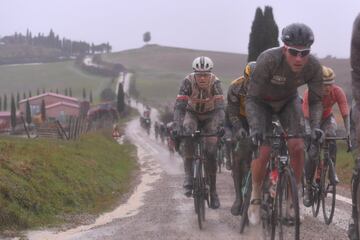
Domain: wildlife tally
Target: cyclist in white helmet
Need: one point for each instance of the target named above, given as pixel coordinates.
(200, 105)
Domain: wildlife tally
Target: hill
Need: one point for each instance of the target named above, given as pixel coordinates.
(61, 75)
(159, 69)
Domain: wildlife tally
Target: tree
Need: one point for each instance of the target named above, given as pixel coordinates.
(255, 40)
(90, 97)
(5, 103)
(24, 95)
(120, 99)
(271, 33)
(84, 93)
(70, 92)
(28, 112)
(37, 91)
(264, 33)
(30, 94)
(147, 37)
(17, 99)
(13, 113)
(43, 110)
(66, 91)
(0, 103)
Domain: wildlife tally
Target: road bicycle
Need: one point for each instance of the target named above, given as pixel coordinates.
(324, 182)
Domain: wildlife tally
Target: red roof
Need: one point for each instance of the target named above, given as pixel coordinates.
(62, 103)
(50, 94)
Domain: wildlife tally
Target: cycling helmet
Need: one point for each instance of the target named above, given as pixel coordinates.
(297, 34)
(249, 69)
(202, 64)
(328, 75)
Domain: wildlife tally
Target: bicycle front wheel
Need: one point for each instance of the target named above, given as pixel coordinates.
(246, 194)
(286, 221)
(328, 195)
(356, 189)
(199, 197)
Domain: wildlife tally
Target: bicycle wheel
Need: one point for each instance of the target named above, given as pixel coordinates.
(199, 189)
(286, 221)
(316, 192)
(328, 193)
(267, 210)
(218, 159)
(246, 195)
(357, 202)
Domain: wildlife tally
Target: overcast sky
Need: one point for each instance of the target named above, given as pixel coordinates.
(220, 25)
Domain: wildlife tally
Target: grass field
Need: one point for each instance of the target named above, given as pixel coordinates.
(159, 69)
(63, 178)
(61, 75)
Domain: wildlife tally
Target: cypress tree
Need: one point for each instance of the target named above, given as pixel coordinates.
(66, 91)
(120, 99)
(90, 97)
(30, 95)
(24, 95)
(13, 113)
(255, 40)
(5, 102)
(271, 33)
(37, 91)
(28, 112)
(17, 99)
(0, 103)
(70, 92)
(84, 93)
(43, 110)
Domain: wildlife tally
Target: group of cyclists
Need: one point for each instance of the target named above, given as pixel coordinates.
(163, 132)
(267, 92)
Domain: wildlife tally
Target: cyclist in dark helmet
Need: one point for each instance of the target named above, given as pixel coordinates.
(273, 91)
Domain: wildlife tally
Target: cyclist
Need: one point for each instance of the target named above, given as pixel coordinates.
(332, 94)
(157, 129)
(239, 129)
(273, 90)
(355, 65)
(200, 104)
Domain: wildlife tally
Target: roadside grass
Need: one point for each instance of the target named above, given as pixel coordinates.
(43, 181)
(60, 75)
(344, 164)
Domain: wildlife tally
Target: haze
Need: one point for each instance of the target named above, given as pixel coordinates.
(221, 25)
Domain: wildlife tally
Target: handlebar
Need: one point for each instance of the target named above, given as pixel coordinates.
(347, 139)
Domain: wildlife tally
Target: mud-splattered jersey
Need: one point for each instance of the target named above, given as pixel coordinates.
(274, 83)
(355, 60)
(236, 101)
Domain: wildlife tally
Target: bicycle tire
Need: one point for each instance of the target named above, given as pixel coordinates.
(246, 201)
(218, 159)
(356, 185)
(316, 192)
(281, 221)
(328, 188)
(267, 209)
(199, 199)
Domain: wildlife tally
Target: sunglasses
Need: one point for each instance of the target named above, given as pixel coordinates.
(202, 74)
(298, 52)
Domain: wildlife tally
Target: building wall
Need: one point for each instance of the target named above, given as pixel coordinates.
(62, 110)
(49, 99)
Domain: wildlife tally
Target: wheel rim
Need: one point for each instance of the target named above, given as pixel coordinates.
(328, 195)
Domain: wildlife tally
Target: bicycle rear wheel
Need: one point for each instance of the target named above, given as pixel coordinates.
(246, 201)
(328, 193)
(286, 216)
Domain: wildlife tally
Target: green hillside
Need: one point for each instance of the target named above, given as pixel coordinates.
(61, 75)
(159, 69)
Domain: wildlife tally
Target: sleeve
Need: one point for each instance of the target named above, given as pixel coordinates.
(181, 102)
(342, 101)
(234, 107)
(305, 105)
(355, 60)
(315, 86)
(219, 101)
(261, 75)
